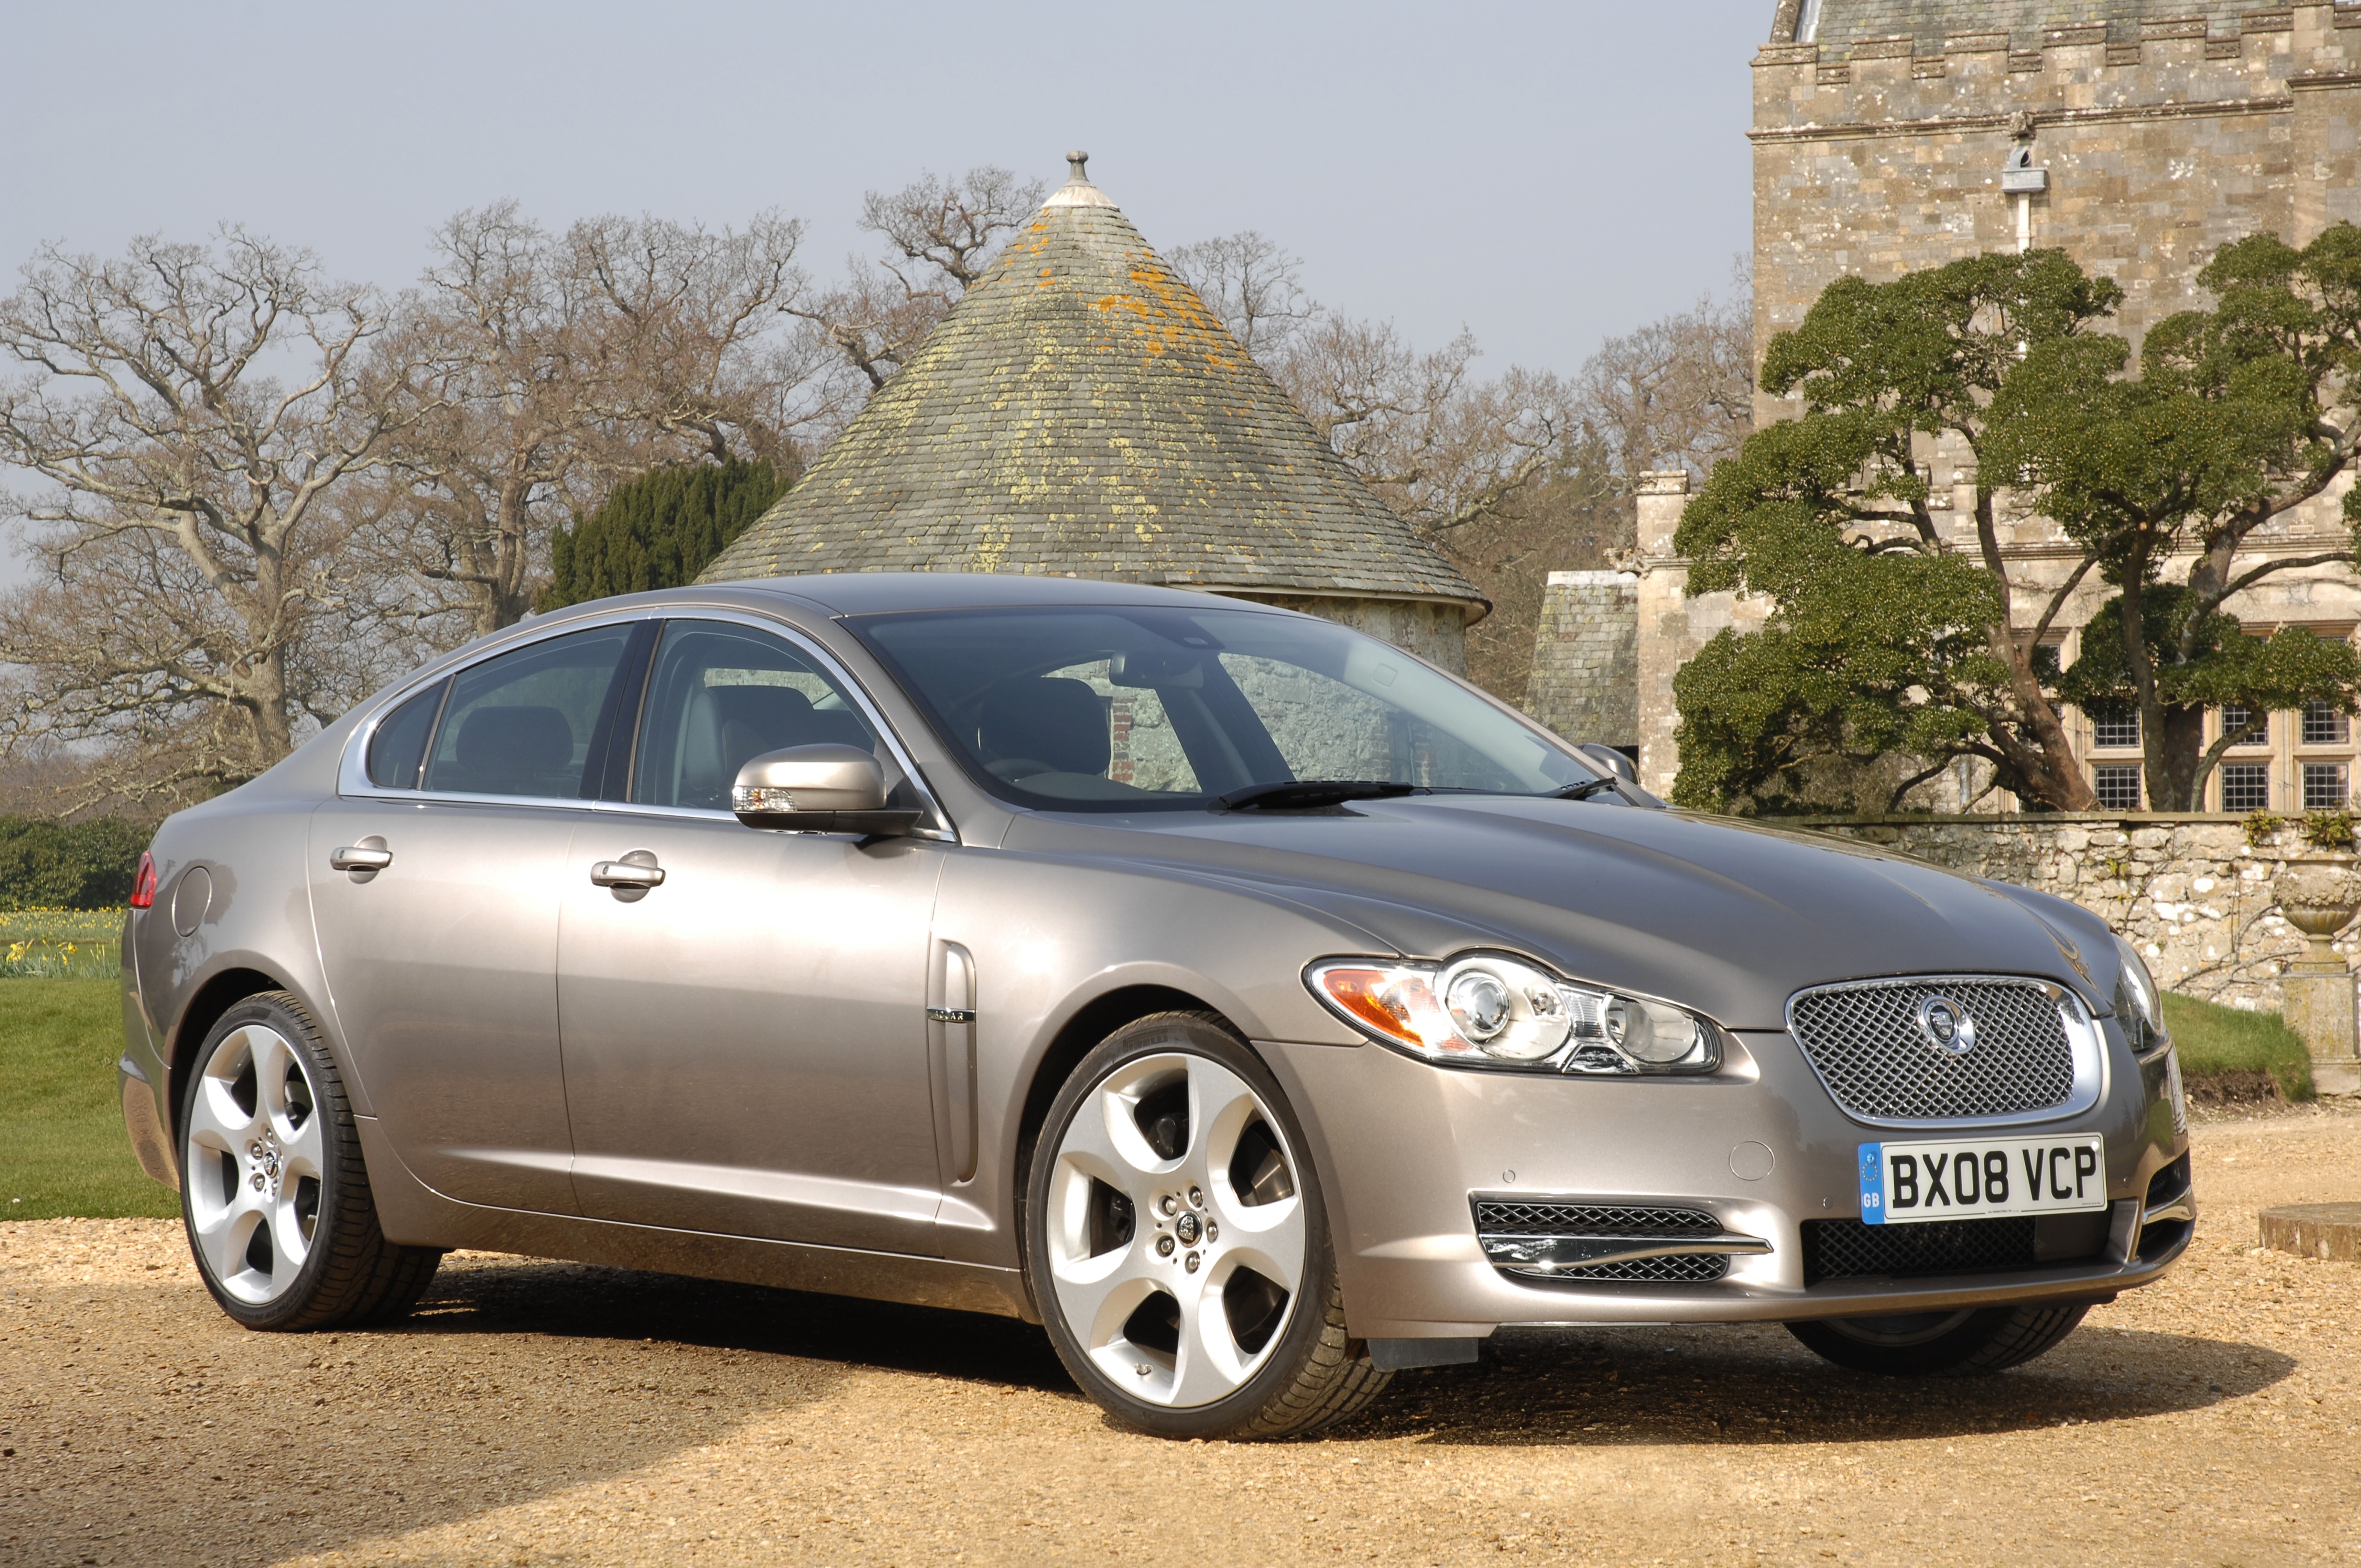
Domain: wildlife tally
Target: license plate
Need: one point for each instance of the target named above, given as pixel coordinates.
(1981, 1179)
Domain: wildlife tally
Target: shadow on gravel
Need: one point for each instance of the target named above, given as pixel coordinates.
(159, 1433)
(584, 1302)
(1755, 1384)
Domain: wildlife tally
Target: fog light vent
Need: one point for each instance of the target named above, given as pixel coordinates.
(1607, 1242)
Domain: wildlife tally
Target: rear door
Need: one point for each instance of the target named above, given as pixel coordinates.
(435, 884)
(746, 1039)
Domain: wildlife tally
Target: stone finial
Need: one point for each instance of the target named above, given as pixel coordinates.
(1078, 190)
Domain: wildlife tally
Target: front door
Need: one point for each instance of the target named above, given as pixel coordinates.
(745, 1038)
(436, 897)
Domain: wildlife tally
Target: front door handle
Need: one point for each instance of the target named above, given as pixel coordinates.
(638, 868)
(364, 860)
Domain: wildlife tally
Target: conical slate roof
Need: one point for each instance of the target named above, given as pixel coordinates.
(1081, 411)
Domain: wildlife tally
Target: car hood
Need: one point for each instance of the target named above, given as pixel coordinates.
(1727, 916)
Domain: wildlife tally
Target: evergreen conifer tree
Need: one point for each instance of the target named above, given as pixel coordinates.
(658, 531)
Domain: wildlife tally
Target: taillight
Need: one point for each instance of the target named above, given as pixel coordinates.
(143, 886)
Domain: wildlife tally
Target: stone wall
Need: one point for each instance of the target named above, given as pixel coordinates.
(2188, 890)
(1586, 676)
(1671, 625)
(1435, 632)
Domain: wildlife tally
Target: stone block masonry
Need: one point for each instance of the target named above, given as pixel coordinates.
(2188, 890)
(1586, 676)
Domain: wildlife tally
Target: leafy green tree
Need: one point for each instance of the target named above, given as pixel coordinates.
(1888, 635)
(2239, 414)
(659, 531)
(1884, 633)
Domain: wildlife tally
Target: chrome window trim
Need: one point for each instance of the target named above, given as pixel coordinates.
(2086, 1048)
(352, 773)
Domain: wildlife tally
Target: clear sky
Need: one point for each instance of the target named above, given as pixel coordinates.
(1546, 174)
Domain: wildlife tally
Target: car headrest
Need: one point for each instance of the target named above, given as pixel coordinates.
(1050, 718)
(729, 726)
(515, 748)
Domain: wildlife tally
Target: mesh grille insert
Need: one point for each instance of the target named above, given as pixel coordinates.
(1493, 1217)
(1847, 1249)
(1866, 1045)
(1681, 1268)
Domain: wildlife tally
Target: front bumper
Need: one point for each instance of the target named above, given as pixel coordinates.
(1403, 1149)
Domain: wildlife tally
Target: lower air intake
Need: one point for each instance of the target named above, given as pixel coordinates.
(1847, 1249)
(1517, 1237)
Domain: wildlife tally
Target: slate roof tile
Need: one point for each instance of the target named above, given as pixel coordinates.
(1080, 410)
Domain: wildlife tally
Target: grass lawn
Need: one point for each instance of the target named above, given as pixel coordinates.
(62, 1147)
(2227, 1054)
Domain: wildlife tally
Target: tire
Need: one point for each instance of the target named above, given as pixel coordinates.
(273, 1193)
(1963, 1343)
(1177, 1243)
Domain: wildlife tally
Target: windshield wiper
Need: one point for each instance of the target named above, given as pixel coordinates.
(1585, 789)
(1305, 794)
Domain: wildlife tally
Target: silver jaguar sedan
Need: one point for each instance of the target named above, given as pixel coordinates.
(1256, 1007)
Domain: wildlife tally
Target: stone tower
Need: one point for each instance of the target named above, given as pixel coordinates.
(2139, 136)
(1079, 412)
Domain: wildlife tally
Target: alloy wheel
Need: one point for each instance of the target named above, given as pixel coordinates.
(1177, 1238)
(254, 1163)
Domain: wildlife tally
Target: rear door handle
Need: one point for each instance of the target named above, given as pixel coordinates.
(638, 868)
(370, 855)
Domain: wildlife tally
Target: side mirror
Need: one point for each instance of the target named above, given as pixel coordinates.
(817, 789)
(1613, 760)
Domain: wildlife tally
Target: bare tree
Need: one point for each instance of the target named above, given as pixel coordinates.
(562, 365)
(1442, 447)
(943, 235)
(1677, 392)
(189, 616)
(951, 228)
(1254, 286)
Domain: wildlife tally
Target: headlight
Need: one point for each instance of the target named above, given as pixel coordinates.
(2137, 1001)
(1491, 1010)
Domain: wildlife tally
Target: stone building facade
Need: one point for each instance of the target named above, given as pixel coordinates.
(2160, 130)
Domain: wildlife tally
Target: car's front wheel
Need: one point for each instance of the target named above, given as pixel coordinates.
(1177, 1244)
(272, 1189)
(1917, 1344)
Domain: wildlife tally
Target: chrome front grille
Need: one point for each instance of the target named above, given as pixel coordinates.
(1865, 1041)
(1631, 1243)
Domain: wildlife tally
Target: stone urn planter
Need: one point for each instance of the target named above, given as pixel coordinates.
(2319, 897)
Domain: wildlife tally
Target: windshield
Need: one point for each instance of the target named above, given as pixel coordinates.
(1121, 709)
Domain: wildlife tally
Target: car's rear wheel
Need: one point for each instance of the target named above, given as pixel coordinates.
(272, 1189)
(1967, 1340)
(1178, 1246)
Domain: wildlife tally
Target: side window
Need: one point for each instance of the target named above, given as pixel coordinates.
(522, 723)
(397, 750)
(723, 694)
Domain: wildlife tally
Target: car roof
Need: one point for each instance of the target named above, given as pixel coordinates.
(869, 593)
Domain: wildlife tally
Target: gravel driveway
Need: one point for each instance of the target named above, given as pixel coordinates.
(544, 1413)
